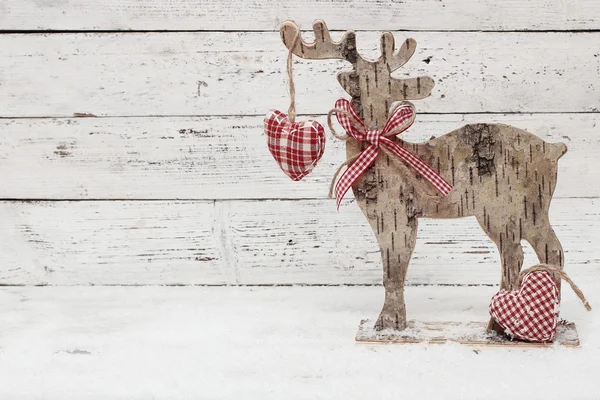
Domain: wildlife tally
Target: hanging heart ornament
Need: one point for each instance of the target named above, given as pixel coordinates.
(530, 313)
(296, 146)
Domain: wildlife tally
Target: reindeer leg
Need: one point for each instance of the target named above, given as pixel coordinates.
(508, 241)
(547, 247)
(511, 257)
(396, 249)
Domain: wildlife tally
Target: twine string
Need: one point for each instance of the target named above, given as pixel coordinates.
(562, 275)
(292, 108)
(343, 137)
(356, 124)
(337, 172)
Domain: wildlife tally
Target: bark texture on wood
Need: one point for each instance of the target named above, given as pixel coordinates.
(502, 175)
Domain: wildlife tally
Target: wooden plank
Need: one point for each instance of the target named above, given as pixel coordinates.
(469, 333)
(97, 243)
(276, 242)
(223, 157)
(266, 15)
(216, 73)
(253, 242)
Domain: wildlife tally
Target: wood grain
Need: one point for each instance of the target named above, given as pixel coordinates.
(306, 242)
(267, 15)
(224, 157)
(240, 73)
(96, 243)
(253, 242)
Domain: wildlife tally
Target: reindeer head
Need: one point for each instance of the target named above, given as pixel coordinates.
(369, 83)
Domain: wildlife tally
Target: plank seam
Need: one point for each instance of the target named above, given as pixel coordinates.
(258, 285)
(111, 31)
(207, 200)
(530, 113)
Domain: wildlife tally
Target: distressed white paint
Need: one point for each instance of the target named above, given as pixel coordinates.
(252, 242)
(224, 157)
(95, 243)
(233, 78)
(267, 15)
(307, 242)
(216, 73)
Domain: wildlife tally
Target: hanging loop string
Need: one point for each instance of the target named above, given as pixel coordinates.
(561, 274)
(292, 108)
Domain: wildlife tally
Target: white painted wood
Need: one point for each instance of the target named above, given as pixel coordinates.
(99, 343)
(216, 73)
(308, 242)
(267, 15)
(96, 243)
(224, 158)
(243, 73)
(253, 242)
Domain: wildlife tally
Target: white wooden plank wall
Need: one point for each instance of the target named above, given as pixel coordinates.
(243, 15)
(135, 158)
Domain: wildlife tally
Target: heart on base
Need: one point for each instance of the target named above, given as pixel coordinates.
(297, 147)
(530, 313)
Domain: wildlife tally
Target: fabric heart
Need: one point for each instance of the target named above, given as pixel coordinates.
(530, 313)
(297, 147)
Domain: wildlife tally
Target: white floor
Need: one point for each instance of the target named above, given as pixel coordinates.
(269, 343)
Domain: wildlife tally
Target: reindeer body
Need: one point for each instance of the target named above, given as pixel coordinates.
(504, 176)
(500, 175)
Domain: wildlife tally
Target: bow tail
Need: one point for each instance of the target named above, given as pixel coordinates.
(354, 171)
(422, 168)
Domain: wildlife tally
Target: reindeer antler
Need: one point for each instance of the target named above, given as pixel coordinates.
(369, 80)
(396, 60)
(323, 47)
(409, 88)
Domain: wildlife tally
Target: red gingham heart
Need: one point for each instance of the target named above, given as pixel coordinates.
(530, 313)
(297, 147)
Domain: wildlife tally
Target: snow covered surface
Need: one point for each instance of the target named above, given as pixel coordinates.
(270, 343)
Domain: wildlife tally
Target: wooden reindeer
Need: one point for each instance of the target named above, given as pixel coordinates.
(502, 175)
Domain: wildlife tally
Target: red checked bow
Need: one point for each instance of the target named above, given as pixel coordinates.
(400, 120)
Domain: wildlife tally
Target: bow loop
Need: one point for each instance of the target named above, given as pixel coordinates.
(350, 121)
(401, 119)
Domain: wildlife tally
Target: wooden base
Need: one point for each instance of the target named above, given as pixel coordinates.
(469, 333)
